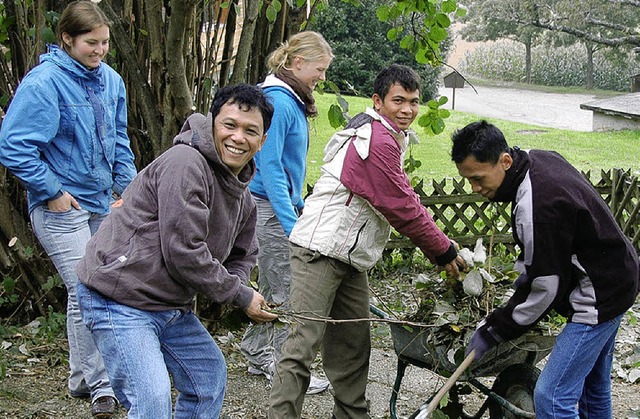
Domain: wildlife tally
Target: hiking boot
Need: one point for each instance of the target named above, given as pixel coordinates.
(103, 407)
(317, 385)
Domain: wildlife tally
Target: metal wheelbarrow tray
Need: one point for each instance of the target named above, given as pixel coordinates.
(512, 363)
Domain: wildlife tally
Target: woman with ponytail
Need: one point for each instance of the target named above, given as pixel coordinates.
(296, 67)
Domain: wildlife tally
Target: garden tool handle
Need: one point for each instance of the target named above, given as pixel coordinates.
(450, 382)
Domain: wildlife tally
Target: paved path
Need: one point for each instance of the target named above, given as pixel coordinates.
(556, 110)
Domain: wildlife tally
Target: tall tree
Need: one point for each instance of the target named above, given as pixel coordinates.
(608, 22)
(490, 20)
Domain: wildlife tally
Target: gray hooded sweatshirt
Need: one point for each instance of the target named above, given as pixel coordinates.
(186, 226)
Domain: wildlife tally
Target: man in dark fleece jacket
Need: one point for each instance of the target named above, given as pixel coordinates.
(575, 259)
(186, 226)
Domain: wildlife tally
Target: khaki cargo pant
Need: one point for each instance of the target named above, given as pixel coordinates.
(324, 287)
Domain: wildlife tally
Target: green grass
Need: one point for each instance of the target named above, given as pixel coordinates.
(592, 151)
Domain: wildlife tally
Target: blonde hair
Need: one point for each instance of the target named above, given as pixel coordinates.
(308, 45)
(80, 17)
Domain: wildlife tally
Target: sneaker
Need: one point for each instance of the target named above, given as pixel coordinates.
(266, 370)
(317, 385)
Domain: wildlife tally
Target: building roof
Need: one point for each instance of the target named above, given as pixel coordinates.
(627, 106)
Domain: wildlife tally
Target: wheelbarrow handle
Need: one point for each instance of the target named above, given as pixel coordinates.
(431, 407)
(375, 310)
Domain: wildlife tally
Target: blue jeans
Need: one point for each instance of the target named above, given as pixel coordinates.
(64, 236)
(143, 349)
(576, 381)
(262, 343)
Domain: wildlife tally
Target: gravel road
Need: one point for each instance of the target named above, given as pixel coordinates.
(555, 110)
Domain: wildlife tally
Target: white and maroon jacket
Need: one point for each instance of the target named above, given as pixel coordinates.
(363, 192)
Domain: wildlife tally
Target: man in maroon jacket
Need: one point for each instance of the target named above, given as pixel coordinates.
(363, 192)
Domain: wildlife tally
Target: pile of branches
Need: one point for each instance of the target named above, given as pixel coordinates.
(450, 308)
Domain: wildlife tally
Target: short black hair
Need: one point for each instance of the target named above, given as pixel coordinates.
(396, 73)
(245, 96)
(482, 140)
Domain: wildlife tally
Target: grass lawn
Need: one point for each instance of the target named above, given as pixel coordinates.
(585, 150)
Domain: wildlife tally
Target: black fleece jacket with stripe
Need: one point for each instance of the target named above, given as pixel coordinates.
(574, 256)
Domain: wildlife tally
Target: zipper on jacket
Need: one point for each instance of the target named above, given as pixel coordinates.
(355, 243)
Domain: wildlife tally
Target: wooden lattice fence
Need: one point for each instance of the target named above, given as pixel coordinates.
(465, 216)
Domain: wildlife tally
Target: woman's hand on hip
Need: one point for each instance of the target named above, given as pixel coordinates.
(64, 203)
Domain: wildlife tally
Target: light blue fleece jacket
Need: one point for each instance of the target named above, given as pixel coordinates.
(281, 163)
(66, 130)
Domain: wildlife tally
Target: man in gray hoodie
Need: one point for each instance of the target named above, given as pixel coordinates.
(186, 226)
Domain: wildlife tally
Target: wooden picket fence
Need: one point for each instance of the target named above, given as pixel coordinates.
(465, 216)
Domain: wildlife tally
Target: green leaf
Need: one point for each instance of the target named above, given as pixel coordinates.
(443, 20)
(438, 126)
(53, 281)
(144, 32)
(421, 57)
(343, 104)
(393, 33)
(437, 34)
(9, 284)
(48, 35)
(382, 13)
(438, 414)
(271, 13)
(336, 118)
(448, 6)
(407, 42)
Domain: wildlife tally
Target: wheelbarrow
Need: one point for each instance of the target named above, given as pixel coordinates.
(512, 363)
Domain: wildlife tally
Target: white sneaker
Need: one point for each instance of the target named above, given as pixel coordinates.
(317, 385)
(266, 370)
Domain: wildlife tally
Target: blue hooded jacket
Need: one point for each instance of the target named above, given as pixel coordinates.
(66, 130)
(282, 161)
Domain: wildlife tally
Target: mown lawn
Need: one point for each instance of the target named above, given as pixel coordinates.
(585, 150)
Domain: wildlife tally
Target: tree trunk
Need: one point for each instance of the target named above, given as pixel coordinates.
(588, 77)
(145, 100)
(527, 62)
(228, 49)
(246, 41)
(178, 101)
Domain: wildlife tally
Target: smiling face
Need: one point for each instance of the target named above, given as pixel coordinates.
(88, 48)
(238, 134)
(485, 178)
(310, 72)
(399, 105)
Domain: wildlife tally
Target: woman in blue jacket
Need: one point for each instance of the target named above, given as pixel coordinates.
(65, 138)
(296, 67)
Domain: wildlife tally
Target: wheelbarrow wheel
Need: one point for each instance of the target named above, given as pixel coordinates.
(515, 384)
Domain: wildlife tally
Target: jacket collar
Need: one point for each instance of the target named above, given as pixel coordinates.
(513, 176)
